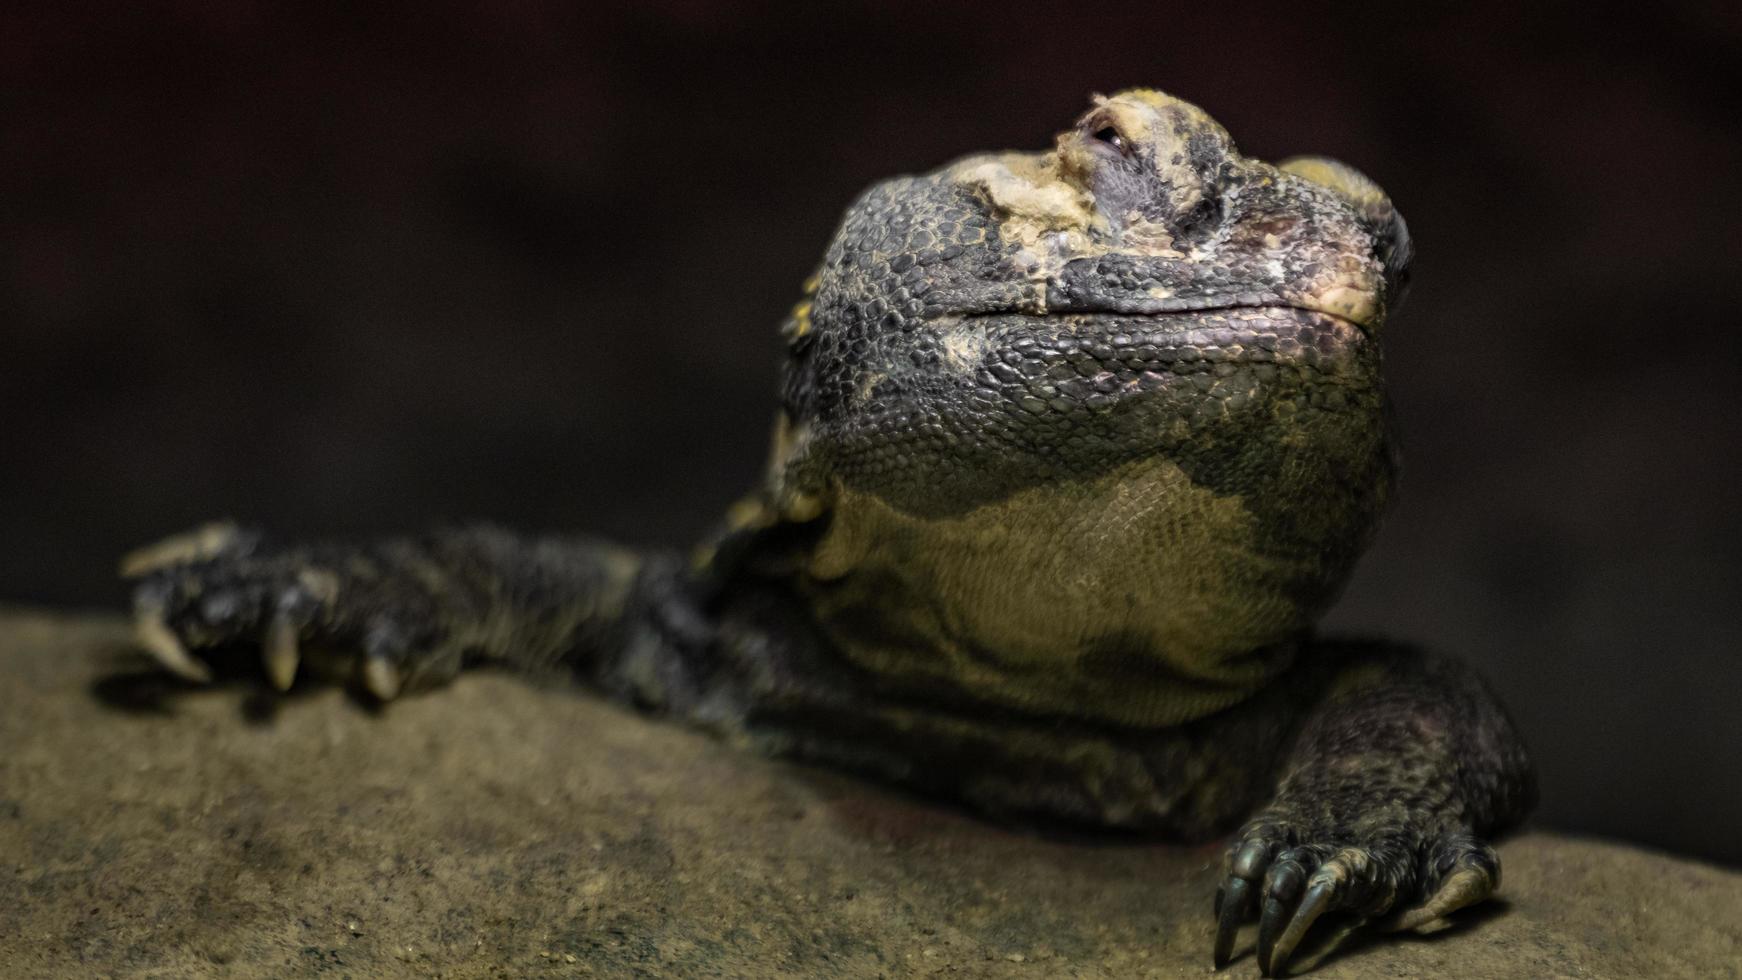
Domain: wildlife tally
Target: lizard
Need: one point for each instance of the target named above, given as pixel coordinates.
(1073, 449)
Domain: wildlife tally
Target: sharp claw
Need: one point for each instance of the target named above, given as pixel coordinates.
(279, 654)
(381, 678)
(1317, 900)
(201, 543)
(1230, 912)
(1275, 913)
(1464, 887)
(1282, 887)
(152, 633)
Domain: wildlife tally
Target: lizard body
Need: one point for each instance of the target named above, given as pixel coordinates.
(1074, 448)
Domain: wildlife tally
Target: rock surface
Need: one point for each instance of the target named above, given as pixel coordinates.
(148, 829)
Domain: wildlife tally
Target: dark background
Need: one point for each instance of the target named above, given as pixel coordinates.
(365, 272)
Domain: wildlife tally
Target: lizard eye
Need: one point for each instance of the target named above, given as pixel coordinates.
(1112, 138)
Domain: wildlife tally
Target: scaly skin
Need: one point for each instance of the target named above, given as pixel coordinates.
(1074, 449)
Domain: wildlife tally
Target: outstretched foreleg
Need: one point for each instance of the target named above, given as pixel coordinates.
(394, 615)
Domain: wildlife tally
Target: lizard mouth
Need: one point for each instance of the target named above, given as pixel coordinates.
(1188, 312)
(1186, 307)
(1109, 351)
(1085, 289)
(1184, 310)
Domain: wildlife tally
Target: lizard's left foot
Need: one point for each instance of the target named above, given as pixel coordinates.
(220, 592)
(1288, 870)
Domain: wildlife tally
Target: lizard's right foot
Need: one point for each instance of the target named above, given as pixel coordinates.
(217, 590)
(1288, 872)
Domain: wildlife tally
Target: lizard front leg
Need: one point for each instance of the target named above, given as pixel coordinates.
(1394, 781)
(394, 616)
(1391, 769)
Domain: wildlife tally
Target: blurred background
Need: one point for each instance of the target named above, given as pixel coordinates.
(363, 271)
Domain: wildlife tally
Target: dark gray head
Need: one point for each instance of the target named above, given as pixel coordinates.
(1140, 303)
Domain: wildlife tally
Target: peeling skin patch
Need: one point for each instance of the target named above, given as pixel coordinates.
(1046, 200)
(964, 347)
(1150, 118)
(1352, 185)
(1156, 185)
(869, 382)
(1351, 303)
(1031, 193)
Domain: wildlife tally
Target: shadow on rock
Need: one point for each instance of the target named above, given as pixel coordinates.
(131, 684)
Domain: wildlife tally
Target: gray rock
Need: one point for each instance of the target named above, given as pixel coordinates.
(496, 829)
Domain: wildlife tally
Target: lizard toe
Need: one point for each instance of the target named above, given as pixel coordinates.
(1293, 877)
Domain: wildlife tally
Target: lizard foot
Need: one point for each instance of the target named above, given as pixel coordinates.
(1288, 873)
(217, 590)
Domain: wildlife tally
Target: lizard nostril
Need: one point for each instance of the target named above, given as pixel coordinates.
(1205, 214)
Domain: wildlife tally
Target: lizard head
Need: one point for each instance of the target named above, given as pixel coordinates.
(1140, 288)
(1150, 337)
